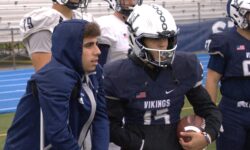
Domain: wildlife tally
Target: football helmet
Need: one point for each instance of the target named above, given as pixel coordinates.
(152, 21)
(125, 7)
(239, 11)
(72, 5)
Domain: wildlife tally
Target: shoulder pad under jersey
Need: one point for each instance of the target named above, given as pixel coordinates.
(38, 20)
(216, 44)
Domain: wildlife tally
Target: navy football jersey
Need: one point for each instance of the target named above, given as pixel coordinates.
(230, 56)
(152, 102)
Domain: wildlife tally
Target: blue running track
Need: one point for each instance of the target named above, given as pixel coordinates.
(13, 84)
(12, 87)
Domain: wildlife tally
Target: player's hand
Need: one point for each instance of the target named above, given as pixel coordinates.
(197, 142)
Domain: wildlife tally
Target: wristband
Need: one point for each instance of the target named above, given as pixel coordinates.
(142, 145)
(207, 137)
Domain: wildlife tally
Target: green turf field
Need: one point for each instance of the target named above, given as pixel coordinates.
(6, 119)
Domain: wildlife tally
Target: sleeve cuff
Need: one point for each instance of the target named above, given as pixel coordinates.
(142, 145)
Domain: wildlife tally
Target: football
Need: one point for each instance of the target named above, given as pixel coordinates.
(190, 123)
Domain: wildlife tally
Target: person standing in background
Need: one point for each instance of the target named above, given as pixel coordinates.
(37, 27)
(114, 42)
(69, 92)
(229, 64)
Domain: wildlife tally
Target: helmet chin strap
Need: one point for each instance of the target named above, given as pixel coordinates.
(160, 62)
(71, 5)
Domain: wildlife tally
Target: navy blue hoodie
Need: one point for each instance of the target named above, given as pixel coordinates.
(65, 114)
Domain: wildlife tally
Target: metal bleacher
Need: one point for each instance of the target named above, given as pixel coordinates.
(184, 11)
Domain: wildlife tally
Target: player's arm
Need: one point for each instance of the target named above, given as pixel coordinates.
(118, 134)
(39, 47)
(214, 74)
(212, 82)
(217, 49)
(39, 59)
(116, 107)
(204, 107)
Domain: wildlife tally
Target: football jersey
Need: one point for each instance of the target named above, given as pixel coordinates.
(40, 20)
(114, 32)
(45, 19)
(230, 56)
(149, 101)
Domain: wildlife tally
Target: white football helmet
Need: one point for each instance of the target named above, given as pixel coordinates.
(72, 5)
(152, 21)
(239, 11)
(120, 5)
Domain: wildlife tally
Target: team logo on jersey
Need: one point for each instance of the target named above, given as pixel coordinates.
(153, 104)
(240, 48)
(141, 95)
(169, 91)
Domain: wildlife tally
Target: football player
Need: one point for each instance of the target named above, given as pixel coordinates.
(37, 27)
(114, 42)
(148, 88)
(229, 64)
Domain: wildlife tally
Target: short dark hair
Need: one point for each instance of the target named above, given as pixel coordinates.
(92, 29)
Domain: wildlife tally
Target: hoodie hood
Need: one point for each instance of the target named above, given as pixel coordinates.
(67, 41)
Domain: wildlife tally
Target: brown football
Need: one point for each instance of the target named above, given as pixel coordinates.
(190, 123)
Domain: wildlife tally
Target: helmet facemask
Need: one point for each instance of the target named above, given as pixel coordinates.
(164, 57)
